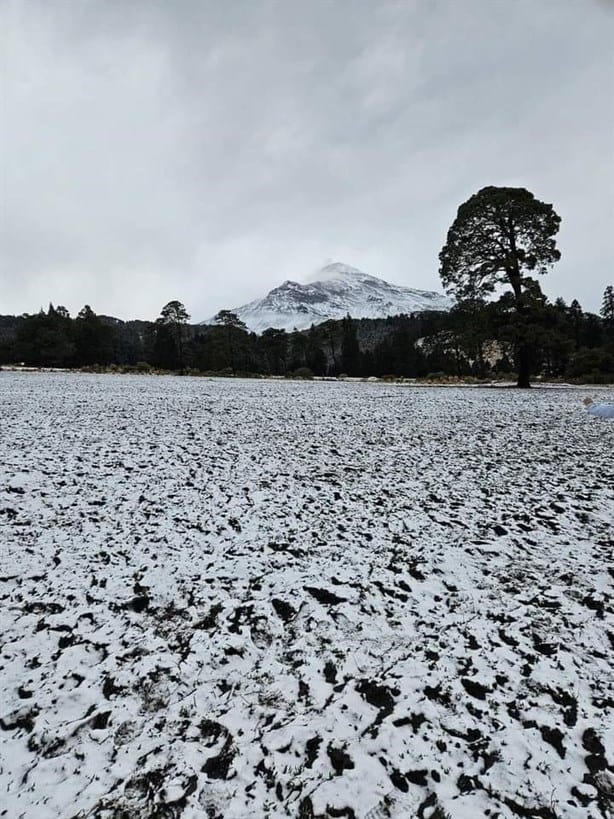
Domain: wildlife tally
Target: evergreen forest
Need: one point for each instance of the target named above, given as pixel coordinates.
(476, 339)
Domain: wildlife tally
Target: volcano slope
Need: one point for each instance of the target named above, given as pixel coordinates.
(281, 599)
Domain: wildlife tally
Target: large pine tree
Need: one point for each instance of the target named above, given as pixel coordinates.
(499, 236)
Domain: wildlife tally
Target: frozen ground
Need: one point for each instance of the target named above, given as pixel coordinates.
(261, 599)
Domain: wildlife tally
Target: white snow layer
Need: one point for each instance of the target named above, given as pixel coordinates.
(277, 599)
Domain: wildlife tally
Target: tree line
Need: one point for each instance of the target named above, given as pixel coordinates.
(475, 338)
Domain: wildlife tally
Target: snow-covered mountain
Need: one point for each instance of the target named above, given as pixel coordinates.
(339, 290)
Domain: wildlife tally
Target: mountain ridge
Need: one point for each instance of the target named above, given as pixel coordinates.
(338, 291)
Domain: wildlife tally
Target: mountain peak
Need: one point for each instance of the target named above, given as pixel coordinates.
(336, 291)
(339, 269)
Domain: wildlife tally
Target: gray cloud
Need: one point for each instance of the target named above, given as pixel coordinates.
(206, 151)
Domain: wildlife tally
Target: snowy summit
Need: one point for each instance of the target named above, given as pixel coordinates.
(339, 290)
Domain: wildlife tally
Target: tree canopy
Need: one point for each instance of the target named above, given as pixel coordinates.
(229, 319)
(498, 236)
(607, 306)
(173, 313)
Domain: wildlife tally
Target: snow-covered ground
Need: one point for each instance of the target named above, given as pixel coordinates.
(279, 599)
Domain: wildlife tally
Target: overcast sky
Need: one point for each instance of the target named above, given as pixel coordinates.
(207, 150)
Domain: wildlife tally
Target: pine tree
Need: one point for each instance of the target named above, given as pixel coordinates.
(576, 317)
(607, 306)
(498, 237)
(169, 349)
(235, 329)
(93, 339)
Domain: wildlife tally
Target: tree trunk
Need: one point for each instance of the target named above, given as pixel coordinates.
(180, 349)
(524, 367)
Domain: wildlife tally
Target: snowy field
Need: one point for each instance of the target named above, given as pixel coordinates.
(279, 599)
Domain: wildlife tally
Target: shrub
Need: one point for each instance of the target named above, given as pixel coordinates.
(301, 372)
(586, 363)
